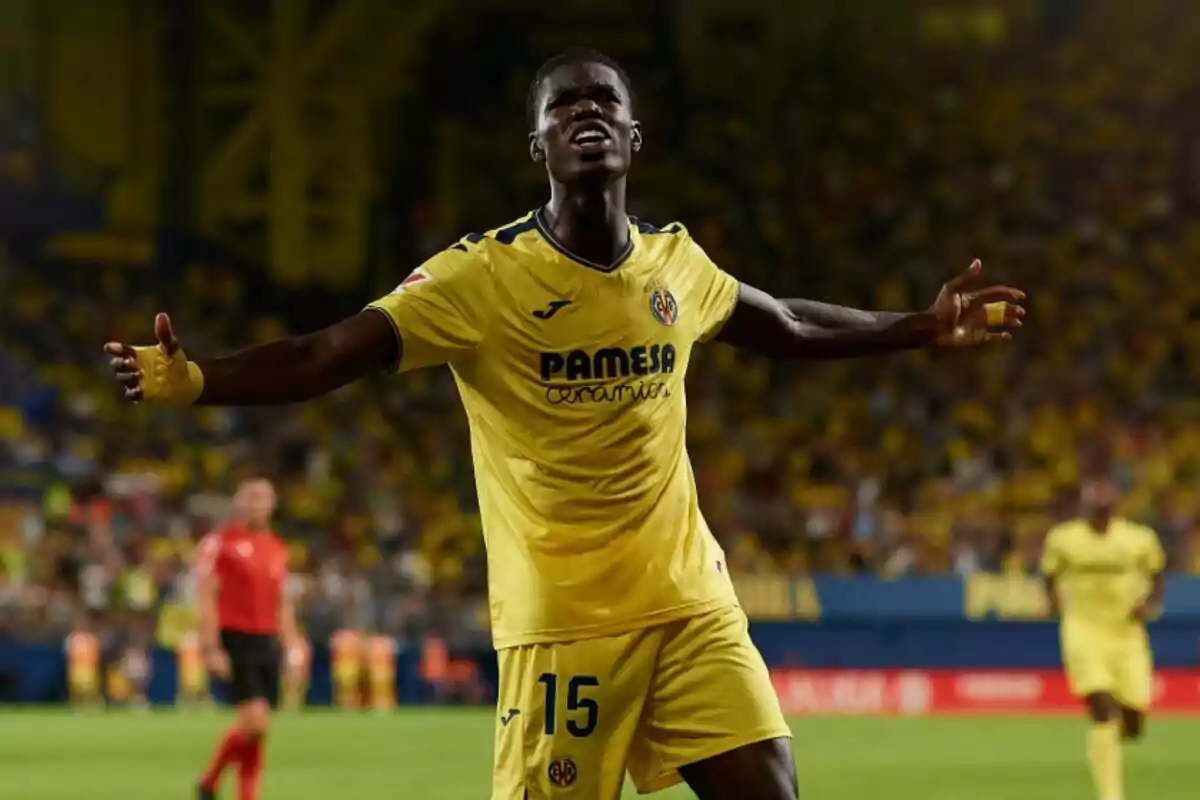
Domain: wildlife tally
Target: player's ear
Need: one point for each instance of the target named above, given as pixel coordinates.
(535, 149)
(635, 138)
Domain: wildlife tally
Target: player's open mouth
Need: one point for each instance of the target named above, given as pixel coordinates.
(590, 139)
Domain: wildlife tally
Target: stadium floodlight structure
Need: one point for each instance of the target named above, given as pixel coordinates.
(283, 97)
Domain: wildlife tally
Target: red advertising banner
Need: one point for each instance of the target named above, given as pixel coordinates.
(936, 692)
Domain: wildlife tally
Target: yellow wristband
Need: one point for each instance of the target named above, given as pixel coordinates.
(996, 313)
(195, 381)
(171, 380)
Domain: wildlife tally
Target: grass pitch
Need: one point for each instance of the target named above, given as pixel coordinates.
(440, 753)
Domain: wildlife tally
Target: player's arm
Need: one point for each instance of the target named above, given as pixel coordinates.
(834, 317)
(1153, 561)
(958, 317)
(1152, 605)
(1049, 585)
(208, 625)
(769, 327)
(208, 584)
(277, 373)
(437, 318)
(1053, 562)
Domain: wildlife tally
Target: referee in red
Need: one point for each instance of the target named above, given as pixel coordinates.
(246, 622)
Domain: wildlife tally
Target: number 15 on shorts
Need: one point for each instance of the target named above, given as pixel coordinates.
(582, 711)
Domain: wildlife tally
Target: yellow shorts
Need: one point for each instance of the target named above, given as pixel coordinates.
(1118, 665)
(573, 717)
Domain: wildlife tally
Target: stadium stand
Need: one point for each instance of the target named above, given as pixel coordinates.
(865, 182)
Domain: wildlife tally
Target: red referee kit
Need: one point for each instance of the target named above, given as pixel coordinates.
(251, 567)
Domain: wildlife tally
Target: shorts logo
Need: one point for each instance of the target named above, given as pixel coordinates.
(562, 772)
(663, 306)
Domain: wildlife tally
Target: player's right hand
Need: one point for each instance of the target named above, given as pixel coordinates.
(159, 373)
(216, 661)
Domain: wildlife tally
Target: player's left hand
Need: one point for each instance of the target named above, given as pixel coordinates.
(968, 317)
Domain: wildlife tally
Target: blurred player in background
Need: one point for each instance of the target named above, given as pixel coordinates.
(83, 662)
(297, 672)
(246, 620)
(569, 331)
(1104, 575)
(193, 683)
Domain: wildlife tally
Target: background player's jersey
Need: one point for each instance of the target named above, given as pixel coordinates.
(1102, 576)
(572, 376)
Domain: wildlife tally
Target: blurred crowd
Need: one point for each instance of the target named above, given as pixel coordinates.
(843, 168)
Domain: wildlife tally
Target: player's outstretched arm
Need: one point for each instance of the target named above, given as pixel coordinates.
(834, 317)
(277, 373)
(960, 316)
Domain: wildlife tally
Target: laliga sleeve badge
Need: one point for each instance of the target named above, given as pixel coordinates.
(663, 306)
(562, 772)
(418, 275)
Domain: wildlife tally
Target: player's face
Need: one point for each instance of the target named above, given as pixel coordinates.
(255, 501)
(585, 126)
(1099, 496)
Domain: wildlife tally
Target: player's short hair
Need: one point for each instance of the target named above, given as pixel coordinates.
(576, 55)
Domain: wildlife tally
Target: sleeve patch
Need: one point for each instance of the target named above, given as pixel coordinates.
(418, 275)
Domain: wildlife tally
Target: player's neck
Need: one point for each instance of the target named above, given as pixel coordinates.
(590, 223)
(1100, 522)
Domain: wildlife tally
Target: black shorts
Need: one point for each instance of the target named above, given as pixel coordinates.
(254, 664)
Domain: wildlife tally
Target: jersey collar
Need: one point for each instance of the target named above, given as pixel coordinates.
(547, 234)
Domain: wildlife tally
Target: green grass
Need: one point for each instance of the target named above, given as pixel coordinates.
(446, 754)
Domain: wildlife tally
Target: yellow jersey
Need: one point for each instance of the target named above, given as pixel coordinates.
(572, 377)
(1100, 577)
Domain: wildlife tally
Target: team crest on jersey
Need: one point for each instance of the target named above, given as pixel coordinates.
(417, 276)
(663, 306)
(562, 772)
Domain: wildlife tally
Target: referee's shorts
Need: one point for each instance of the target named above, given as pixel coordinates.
(254, 664)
